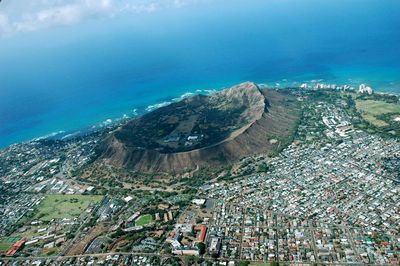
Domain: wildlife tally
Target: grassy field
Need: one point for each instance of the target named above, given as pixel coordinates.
(4, 246)
(64, 206)
(7, 242)
(370, 109)
(144, 219)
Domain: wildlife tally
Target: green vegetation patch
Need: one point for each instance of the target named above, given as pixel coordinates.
(144, 220)
(372, 109)
(4, 246)
(7, 242)
(64, 206)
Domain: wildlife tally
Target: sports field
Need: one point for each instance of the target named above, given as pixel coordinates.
(64, 206)
(7, 242)
(5, 246)
(144, 220)
(370, 109)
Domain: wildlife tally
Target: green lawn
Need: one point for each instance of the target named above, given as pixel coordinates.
(7, 242)
(144, 219)
(64, 206)
(4, 246)
(370, 109)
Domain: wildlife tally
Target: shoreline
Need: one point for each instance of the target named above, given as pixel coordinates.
(138, 111)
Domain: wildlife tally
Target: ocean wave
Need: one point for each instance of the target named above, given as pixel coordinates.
(316, 80)
(262, 85)
(211, 91)
(71, 135)
(156, 106)
(50, 135)
(183, 96)
(107, 122)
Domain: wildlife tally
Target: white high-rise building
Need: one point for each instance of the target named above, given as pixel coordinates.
(362, 88)
(365, 89)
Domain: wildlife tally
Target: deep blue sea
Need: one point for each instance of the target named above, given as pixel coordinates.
(72, 77)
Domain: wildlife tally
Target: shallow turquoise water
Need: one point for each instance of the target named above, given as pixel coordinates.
(68, 78)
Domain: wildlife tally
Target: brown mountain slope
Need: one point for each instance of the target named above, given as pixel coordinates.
(203, 131)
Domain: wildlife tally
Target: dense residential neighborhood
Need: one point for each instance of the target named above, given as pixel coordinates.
(321, 203)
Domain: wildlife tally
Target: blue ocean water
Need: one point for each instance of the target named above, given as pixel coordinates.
(68, 78)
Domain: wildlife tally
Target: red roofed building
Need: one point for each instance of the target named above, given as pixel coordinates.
(171, 236)
(17, 245)
(203, 231)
